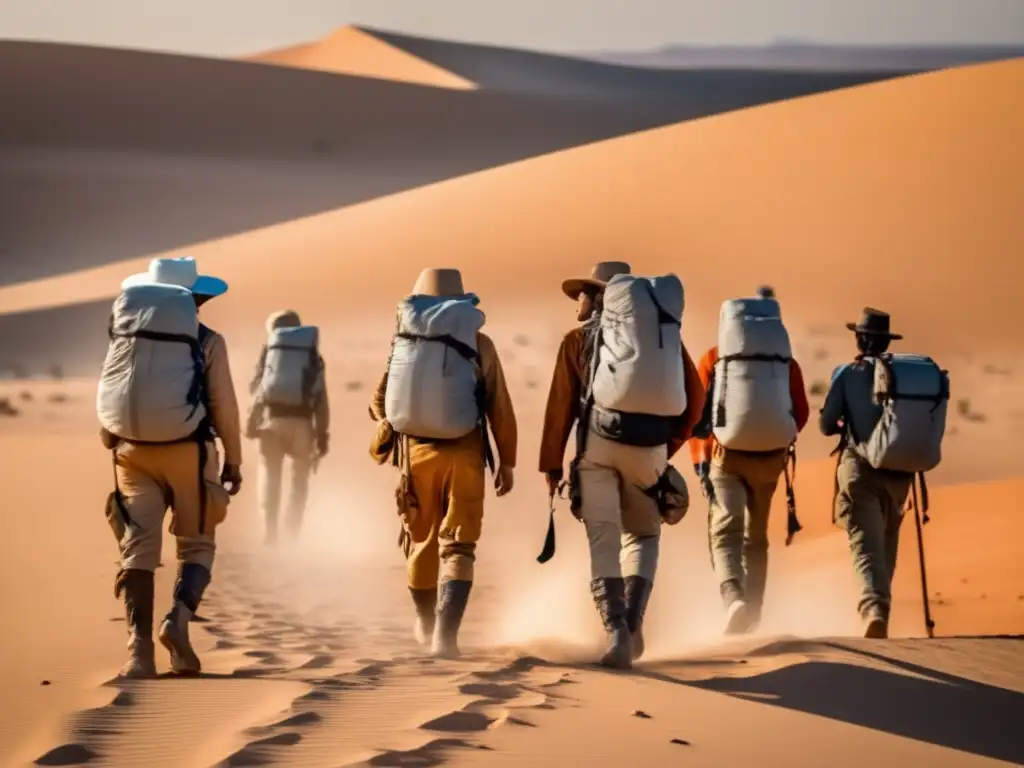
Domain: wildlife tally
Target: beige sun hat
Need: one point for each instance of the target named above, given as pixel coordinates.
(602, 272)
(441, 283)
(285, 318)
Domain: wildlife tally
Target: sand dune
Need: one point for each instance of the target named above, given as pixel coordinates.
(139, 152)
(352, 51)
(878, 185)
(814, 57)
(309, 659)
(511, 69)
(307, 650)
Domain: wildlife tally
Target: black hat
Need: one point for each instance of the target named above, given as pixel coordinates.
(873, 322)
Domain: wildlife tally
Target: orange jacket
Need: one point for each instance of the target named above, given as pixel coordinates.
(702, 450)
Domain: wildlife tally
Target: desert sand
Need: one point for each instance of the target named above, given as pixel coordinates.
(351, 51)
(307, 650)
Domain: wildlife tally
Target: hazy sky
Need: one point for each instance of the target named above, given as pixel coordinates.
(233, 27)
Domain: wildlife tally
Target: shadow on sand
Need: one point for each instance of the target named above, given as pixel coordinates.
(930, 706)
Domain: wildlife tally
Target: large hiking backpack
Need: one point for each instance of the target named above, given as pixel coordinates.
(291, 368)
(639, 364)
(434, 387)
(913, 392)
(752, 407)
(151, 387)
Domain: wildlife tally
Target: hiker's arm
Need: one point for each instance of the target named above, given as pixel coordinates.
(322, 409)
(257, 374)
(500, 413)
(377, 401)
(694, 405)
(700, 447)
(830, 418)
(223, 403)
(801, 408)
(563, 403)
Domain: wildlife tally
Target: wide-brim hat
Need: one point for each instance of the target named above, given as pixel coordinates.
(180, 271)
(442, 283)
(873, 322)
(602, 272)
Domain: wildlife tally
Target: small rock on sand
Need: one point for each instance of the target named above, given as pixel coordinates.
(682, 742)
(641, 714)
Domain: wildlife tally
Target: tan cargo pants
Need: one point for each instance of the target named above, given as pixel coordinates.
(155, 478)
(440, 536)
(739, 511)
(623, 523)
(870, 505)
(281, 438)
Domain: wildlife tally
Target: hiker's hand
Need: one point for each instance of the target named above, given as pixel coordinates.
(231, 479)
(503, 480)
(321, 444)
(554, 479)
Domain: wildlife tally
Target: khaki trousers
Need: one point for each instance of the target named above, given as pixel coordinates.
(623, 523)
(744, 485)
(440, 536)
(282, 438)
(155, 478)
(870, 506)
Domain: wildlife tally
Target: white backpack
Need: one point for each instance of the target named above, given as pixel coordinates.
(914, 394)
(152, 386)
(752, 407)
(291, 369)
(434, 386)
(640, 358)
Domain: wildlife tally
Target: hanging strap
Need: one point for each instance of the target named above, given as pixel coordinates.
(789, 471)
(118, 496)
(548, 550)
(583, 429)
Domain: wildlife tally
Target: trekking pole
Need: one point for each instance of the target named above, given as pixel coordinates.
(928, 623)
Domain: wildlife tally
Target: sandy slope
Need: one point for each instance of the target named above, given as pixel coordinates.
(352, 51)
(307, 650)
(869, 196)
(310, 663)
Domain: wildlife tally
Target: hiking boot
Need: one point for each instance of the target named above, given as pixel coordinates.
(452, 599)
(188, 592)
(738, 617)
(425, 601)
(138, 610)
(876, 625)
(638, 592)
(610, 597)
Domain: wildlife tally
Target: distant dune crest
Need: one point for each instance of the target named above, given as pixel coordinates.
(351, 51)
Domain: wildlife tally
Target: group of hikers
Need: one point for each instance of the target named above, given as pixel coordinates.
(623, 380)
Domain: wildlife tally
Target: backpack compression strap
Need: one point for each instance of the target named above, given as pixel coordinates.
(720, 411)
(480, 394)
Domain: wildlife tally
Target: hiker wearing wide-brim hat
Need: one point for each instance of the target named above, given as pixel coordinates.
(871, 488)
(151, 323)
(443, 387)
(179, 271)
(873, 322)
(623, 522)
(289, 417)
